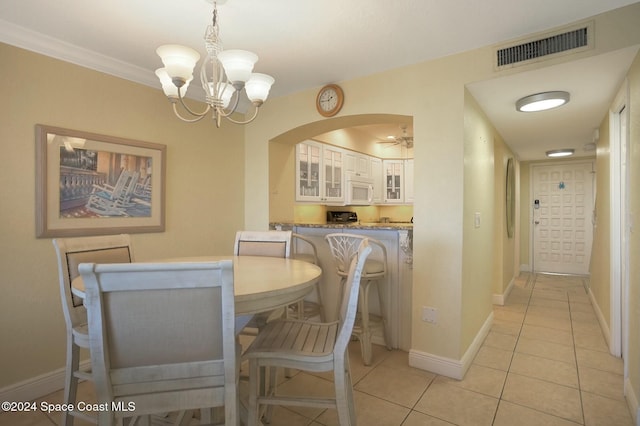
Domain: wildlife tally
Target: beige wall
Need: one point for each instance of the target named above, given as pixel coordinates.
(634, 243)
(205, 191)
(599, 283)
(479, 244)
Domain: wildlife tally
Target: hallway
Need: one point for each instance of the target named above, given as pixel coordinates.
(545, 361)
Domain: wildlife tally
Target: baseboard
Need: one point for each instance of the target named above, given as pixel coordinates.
(632, 401)
(500, 299)
(525, 268)
(604, 326)
(449, 367)
(37, 387)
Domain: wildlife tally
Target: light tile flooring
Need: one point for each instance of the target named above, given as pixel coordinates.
(545, 362)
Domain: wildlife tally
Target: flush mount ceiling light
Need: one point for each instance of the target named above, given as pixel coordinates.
(224, 74)
(542, 101)
(559, 153)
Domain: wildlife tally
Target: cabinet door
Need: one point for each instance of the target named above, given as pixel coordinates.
(357, 163)
(378, 182)
(408, 181)
(393, 176)
(308, 171)
(333, 191)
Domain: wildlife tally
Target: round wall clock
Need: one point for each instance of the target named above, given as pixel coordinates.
(329, 100)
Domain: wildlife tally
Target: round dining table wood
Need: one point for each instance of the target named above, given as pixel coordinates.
(260, 283)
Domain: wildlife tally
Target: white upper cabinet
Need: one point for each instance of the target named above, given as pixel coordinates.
(376, 175)
(408, 180)
(393, 177)
(397, 177)
(357, 163)
(321, 170)
(319, 173)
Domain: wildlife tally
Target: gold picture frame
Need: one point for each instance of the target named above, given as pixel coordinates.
(91, 184)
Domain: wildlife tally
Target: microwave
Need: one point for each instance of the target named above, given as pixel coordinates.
(358, 190)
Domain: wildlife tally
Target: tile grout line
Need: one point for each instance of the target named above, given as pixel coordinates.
(513, 354)
(575, 355)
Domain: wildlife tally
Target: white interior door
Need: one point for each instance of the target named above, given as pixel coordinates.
(562, 226)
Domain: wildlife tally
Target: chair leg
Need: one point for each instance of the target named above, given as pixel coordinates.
(383, 316)
(270, 391)
(365, 334)
(254, 389)
(344, 394)
(71, 381)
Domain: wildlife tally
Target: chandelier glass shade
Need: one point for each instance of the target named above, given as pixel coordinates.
(224, 75)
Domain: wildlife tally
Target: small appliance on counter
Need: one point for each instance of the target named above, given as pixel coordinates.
(341, 217)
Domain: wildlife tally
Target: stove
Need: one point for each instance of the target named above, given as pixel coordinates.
(341, 217)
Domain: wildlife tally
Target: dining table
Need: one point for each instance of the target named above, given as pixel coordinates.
(260, 283)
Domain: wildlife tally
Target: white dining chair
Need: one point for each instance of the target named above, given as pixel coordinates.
(304, 249)
(70, 253)
(162, 338)
(261, 243)
(308, 346)
(343, 247)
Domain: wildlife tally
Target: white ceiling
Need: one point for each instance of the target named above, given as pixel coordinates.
(306, 44)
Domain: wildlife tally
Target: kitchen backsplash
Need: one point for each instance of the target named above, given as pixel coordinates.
(315, 213)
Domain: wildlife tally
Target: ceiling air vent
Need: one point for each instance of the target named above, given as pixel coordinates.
(529, 51)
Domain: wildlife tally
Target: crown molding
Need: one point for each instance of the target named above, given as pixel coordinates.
(24, 38)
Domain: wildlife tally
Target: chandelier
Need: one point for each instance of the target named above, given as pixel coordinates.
(224, 74)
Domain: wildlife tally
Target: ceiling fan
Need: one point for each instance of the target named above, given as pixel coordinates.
(404, 140)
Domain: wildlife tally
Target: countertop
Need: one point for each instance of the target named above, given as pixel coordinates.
(391, 226)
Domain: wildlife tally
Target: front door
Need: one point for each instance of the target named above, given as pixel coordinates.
(562, 217)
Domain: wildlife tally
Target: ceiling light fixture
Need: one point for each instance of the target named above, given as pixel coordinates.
(542, 101)
(224, 74)
(560, 153)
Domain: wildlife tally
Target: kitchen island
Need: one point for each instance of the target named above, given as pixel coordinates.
(397, 289)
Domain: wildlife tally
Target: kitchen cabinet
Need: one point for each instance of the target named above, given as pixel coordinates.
(408, 180)
(357, 163)
(393, 177)
(376, 175)
(319, 173)
(397, 181)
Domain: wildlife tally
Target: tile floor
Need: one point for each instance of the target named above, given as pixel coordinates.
(545, 362)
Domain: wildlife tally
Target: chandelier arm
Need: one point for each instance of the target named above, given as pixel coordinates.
(255, 114)
(226, 112)
(187, 120)
(189, 110)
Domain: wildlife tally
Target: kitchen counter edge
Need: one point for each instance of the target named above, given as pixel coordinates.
(286, 226)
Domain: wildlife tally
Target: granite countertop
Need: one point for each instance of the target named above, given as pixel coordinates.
(391, 226)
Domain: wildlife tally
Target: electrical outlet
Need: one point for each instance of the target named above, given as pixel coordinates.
(476, 220)
(429, 314)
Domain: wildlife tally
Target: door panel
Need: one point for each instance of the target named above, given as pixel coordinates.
(562, 221)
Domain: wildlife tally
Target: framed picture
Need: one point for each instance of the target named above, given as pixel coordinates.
(90, 184)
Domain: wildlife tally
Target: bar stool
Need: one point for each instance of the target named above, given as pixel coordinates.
(343, 247)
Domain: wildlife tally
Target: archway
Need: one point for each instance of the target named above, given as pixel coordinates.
(282, 156)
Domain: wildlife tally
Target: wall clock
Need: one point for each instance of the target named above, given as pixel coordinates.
(329, 100)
